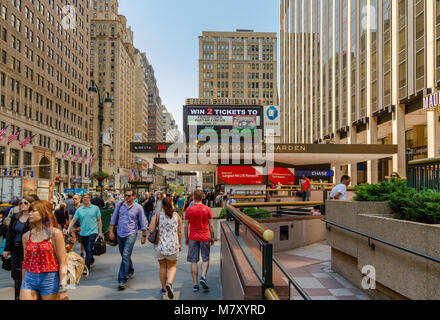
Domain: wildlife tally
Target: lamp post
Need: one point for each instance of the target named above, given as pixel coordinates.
(102, 100)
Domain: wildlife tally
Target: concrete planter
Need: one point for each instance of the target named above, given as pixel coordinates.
(399, 275)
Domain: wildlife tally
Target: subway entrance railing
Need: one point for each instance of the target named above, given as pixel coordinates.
(423, 174)
(264, 236)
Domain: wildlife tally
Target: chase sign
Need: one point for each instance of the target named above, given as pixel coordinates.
(272, 121)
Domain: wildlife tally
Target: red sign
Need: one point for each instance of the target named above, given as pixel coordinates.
(282, 175)
(240, 176)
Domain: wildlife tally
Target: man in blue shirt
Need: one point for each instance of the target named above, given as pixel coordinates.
(130, 214)
(89, 216)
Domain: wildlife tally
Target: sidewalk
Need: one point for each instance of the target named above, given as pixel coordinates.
(311, 267)
(103, 281)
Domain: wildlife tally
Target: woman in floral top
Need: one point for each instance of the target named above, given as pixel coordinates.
(169, 246)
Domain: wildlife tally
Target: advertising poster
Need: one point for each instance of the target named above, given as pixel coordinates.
(240, 176)
(284, 176)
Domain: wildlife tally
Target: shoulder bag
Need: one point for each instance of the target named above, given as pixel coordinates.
(114, 242)
(154, 236)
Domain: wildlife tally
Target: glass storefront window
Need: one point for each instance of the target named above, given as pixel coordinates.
(27, 160)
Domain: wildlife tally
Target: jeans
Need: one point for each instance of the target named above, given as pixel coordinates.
(126, 249)
(88, 243)
(148, 215)
(306, 195)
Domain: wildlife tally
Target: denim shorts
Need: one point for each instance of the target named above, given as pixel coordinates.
(197, 248)
(46, 284)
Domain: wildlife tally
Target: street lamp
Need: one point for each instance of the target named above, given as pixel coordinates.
(102, 100)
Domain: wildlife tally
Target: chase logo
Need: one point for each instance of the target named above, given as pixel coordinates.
(272, 113)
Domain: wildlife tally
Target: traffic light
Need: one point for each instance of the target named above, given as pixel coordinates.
(49, 170)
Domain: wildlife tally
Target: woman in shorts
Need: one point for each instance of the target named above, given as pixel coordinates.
(169, 246)
(44, 266)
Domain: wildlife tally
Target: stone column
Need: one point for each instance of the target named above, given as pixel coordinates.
(399, 159)
(338, 173)
(433, 122)
(372, 165)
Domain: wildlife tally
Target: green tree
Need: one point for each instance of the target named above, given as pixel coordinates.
(100, 176)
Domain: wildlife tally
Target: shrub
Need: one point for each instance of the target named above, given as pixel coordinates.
(254, 213)
(406, 203)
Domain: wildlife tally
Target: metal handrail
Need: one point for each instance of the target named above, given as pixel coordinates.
(264, 233)
(291, 281)
(280, 204)
(372, 246)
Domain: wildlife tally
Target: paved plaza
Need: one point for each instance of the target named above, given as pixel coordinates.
(102, 283)
(311, 268)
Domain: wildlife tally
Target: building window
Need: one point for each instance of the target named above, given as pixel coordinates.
(2, 156)
(27, 160)
(14, 158)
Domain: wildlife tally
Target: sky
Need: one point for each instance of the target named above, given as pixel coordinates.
(168, 31)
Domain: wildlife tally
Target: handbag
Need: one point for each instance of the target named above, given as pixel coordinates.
(107, 239)
(99, 247)
(7, 264)
(154, 236)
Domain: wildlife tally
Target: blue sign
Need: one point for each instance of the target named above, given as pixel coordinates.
(75, 191)
(272, 113)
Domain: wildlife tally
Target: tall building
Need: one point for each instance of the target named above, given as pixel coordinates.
(241, 64)
(170, 128)
(141, 91)
(357, 72)
(112, 67)
(155, 128)
(43, 91)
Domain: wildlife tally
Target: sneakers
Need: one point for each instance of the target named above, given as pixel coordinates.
(204, 283)
(84, 272)
(163, 292)
(122, 286)
(196, 288)
(170, 290)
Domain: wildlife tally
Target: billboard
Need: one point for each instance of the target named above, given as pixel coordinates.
(212, 120)
(240, 176)
(284, 176)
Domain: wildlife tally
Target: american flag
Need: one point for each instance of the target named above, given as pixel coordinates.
(26, 141)
(77, 156)
(3, 132)
(84, 158)
(68, 153)
(14, 136)
(92, 157)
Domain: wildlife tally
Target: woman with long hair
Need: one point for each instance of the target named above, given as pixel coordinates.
(160, 197)
(169, 246)
(44, 266)
(14, 246)
(62, 217)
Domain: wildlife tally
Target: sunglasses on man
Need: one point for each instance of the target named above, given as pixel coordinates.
(129, 195)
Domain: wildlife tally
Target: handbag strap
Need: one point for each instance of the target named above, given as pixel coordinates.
(117, 214)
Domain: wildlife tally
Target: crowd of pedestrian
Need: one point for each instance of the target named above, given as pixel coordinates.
(38, 238)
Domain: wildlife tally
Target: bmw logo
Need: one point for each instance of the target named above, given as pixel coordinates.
(272, 113)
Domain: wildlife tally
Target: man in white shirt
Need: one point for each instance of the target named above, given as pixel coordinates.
(339, 192)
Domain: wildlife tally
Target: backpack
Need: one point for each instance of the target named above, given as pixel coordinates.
(75, 267)
(99, 247)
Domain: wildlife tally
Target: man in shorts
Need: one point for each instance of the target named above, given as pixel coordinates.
(198, 227)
